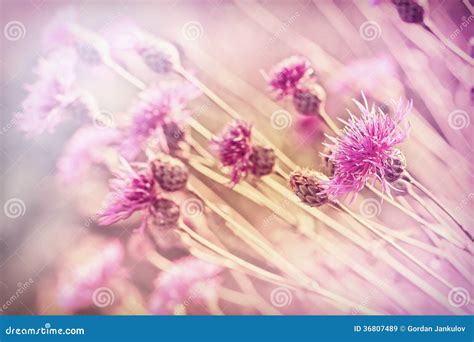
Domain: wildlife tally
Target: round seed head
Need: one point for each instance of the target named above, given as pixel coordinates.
(262, 160)
(165, 214)
(170, 173)
(308, 187)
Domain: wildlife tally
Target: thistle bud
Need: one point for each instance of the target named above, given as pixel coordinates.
(165, 214)
(394, 167)
(409, 11)
(308, 187)
(262, 160)
(170, 173)
(159, 56)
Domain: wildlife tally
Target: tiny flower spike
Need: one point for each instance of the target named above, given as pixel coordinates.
(308, 187)
(132, 191)
(189, 281)
(50, 95)
(366, 149)
(234, 149)
(170, 173)
(286, 75)
(157, 106)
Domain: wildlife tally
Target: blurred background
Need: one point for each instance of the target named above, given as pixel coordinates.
(353, 46)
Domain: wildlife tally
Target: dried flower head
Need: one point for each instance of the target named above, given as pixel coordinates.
(262, 160)
(234, 149)
(170, 173)
(156, 107)
(164, 214)
(132, 191)
(189, 281)
(409, 11)
(52, 92)
(365, 148)
(309, 188)
(285, 76)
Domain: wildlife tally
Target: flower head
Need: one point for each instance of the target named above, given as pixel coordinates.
(285, 76)
(366, 147)
(234, 149)
(86, 147)
(90, 267)
(132, 191)
(157, 106)
(52, 92)
(308, 187)
(188, 281)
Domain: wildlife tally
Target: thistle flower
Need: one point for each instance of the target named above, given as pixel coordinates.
(85, 148)
(189, 281)
(132, 191)
(52, 92)
(157, 106)
(364, 150)
(170, 173)
(234, 149)
(90, 267)
(286, 75)
(309, 188)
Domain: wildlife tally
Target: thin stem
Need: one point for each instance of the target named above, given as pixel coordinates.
(428, 193)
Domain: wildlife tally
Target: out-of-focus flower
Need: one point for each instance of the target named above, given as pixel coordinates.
(160, 56)
(170, 173)
(131, 191)
(366, 148)
(90, 267)
(234, 148)
(285, 76)
(158, 105)
(164, 214)
(189, 281)
(309, 188)
(52, 92)
(86, 147)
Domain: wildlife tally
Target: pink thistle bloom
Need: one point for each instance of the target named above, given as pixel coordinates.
(158, 105)
(188, 281)
(285, 77)
(234, 149)
(92, 266)
(366, 147)
(50, 94)
(131, 191)
(85, 148)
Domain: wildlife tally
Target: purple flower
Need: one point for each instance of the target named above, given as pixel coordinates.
(52, 92)
(234, 149)
(89, 268)
(157, 106)
(286, 75)
(86, 147)
(366, 147)
(189, 281)
(131, 191)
